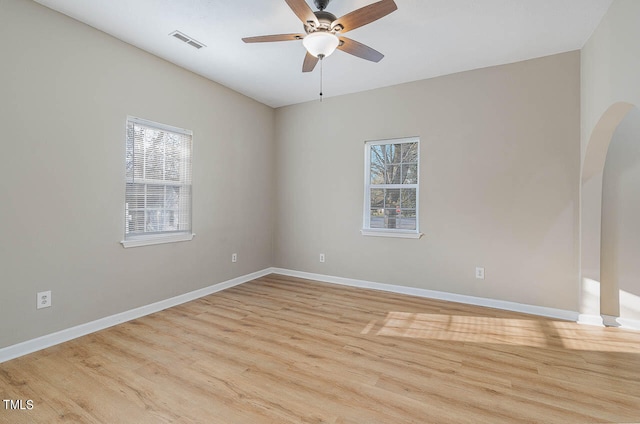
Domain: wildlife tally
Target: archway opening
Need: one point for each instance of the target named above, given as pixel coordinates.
(598, 297)
(620, 244)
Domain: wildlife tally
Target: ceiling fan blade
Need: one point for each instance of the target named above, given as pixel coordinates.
(303, 11)
(275, 37)
(364, 15)
(309, 63)
(350, 46)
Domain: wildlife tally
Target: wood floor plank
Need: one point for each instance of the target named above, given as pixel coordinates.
(287, 350)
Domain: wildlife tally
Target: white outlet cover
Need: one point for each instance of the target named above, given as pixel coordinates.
(480, 273)
(43, 299)
(322, 257)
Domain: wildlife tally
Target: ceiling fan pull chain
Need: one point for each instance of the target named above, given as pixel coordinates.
(321, 57)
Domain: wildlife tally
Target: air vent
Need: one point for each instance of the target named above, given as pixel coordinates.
(186, 39)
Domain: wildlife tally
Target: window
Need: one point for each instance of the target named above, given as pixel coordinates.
(158, 183)
(391, 188)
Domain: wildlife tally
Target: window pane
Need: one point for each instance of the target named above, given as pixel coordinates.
(394, 153)
(153, 221)
(410, 174)
(135, 196)
(408, 220)
(377, 198)
(377, 165)
(171, 220)
(166, 220)
(155, 196)
(135, 221)
(392, 218)
(408, 199)
(392, 198)
(153, 154)
(377, 154)
(377, 218)
(138, 152)
(173, 157)
(393, 174)
(129, 154)
(173, 197)
(410, 153)
(182, 220)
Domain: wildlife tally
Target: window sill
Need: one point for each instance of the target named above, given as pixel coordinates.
(157, 239)
(396, 234)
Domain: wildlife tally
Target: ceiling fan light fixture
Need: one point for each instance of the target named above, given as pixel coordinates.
(320, 43)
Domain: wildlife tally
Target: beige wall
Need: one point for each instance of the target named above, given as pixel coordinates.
(65, 92)
(499, 183)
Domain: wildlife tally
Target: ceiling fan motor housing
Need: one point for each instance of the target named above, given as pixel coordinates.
(325, 19)
(321, 4)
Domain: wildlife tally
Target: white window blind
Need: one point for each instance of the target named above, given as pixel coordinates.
(158, 183)
(391, 187)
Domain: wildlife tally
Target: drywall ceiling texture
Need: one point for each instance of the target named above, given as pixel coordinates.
(499, 180)
(66, 92)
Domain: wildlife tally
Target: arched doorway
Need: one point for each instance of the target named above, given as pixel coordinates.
(620, 244)
(597, 298)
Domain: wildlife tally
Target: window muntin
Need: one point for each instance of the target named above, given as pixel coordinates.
(391, 185)
(158, 181)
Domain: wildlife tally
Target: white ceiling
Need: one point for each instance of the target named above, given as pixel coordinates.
(422, 39)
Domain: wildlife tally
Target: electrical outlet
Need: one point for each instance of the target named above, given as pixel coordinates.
(480, 273)
(43, 299)
(234, 257)
(322, 257)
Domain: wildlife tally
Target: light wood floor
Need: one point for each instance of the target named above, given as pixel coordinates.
(285, 350)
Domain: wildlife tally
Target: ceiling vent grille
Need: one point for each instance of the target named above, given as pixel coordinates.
(186, 39)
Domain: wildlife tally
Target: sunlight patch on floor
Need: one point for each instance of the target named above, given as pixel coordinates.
(506, 331)
(471, 329)
(607, 340)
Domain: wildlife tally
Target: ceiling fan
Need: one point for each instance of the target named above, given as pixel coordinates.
(323, 31)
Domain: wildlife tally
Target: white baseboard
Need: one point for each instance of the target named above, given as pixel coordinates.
(632, 324)
(610, 321)
(432, 294)
(613, 321)
(61, 336)
(588, 319)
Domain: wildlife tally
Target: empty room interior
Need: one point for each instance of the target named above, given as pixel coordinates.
(230, 212)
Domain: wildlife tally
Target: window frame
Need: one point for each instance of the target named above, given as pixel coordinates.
(162, 237)
(368, 186)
